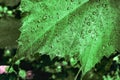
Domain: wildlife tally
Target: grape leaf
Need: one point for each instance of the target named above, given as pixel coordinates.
(9, 32)
(83, 30)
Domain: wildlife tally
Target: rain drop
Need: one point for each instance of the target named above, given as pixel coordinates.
(103, 47)
(38, 21)
(79, 2)
(72, 0)
(23, 30)
(32, 30)
(104, 5)
(70, 20)
(37, 26)
(20, 43)
(93, 12)
(89, 31)
(68, 8)
(42, 27)
(57, 13)
(57, 41)
(44, 17)
(109, 43)
(88, 23)
(56, 34)
(51, 46)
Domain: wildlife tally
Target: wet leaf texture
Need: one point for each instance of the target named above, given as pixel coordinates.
(85, 29)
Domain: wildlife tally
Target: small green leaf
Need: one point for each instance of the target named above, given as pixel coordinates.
(22, 73)
(10, 70)
(73, 61)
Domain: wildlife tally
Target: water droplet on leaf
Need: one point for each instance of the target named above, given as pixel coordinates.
(103, 47)
(44, 17)
(88, 23)
(94, 13)
(72, 0)
(20, 43)
(68, 8)
(104, 5)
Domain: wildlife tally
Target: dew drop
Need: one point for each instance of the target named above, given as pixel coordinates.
(69, 21)
(72, 0)
(109, 43)
(88, 23)
(51, 46)
(92, 35)
(42, 27)
(79, 2)
(57, 40)
(68, 8)
(44, 17)
(104, 5)
(37, 26)
(89, 31)
(29, 40)
(23, 30)
(32, 30)
(38, 21)
(20, 43)
(57, 13)
(103, 47)
(56, 34)
(94, 13)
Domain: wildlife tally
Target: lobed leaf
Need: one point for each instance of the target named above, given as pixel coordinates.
(83, 30)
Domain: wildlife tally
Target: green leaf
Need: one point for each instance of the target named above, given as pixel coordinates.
(11, 70)
(83, 30)
(9, 32)
(22, 74)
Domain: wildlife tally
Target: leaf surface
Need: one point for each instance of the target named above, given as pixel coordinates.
(9, 32)
(83, 30)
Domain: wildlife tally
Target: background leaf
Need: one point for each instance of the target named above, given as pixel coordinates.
(9, 32)
(83, 30)
(22, 74)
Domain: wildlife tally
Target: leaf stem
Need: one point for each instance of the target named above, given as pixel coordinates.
(77, 74)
